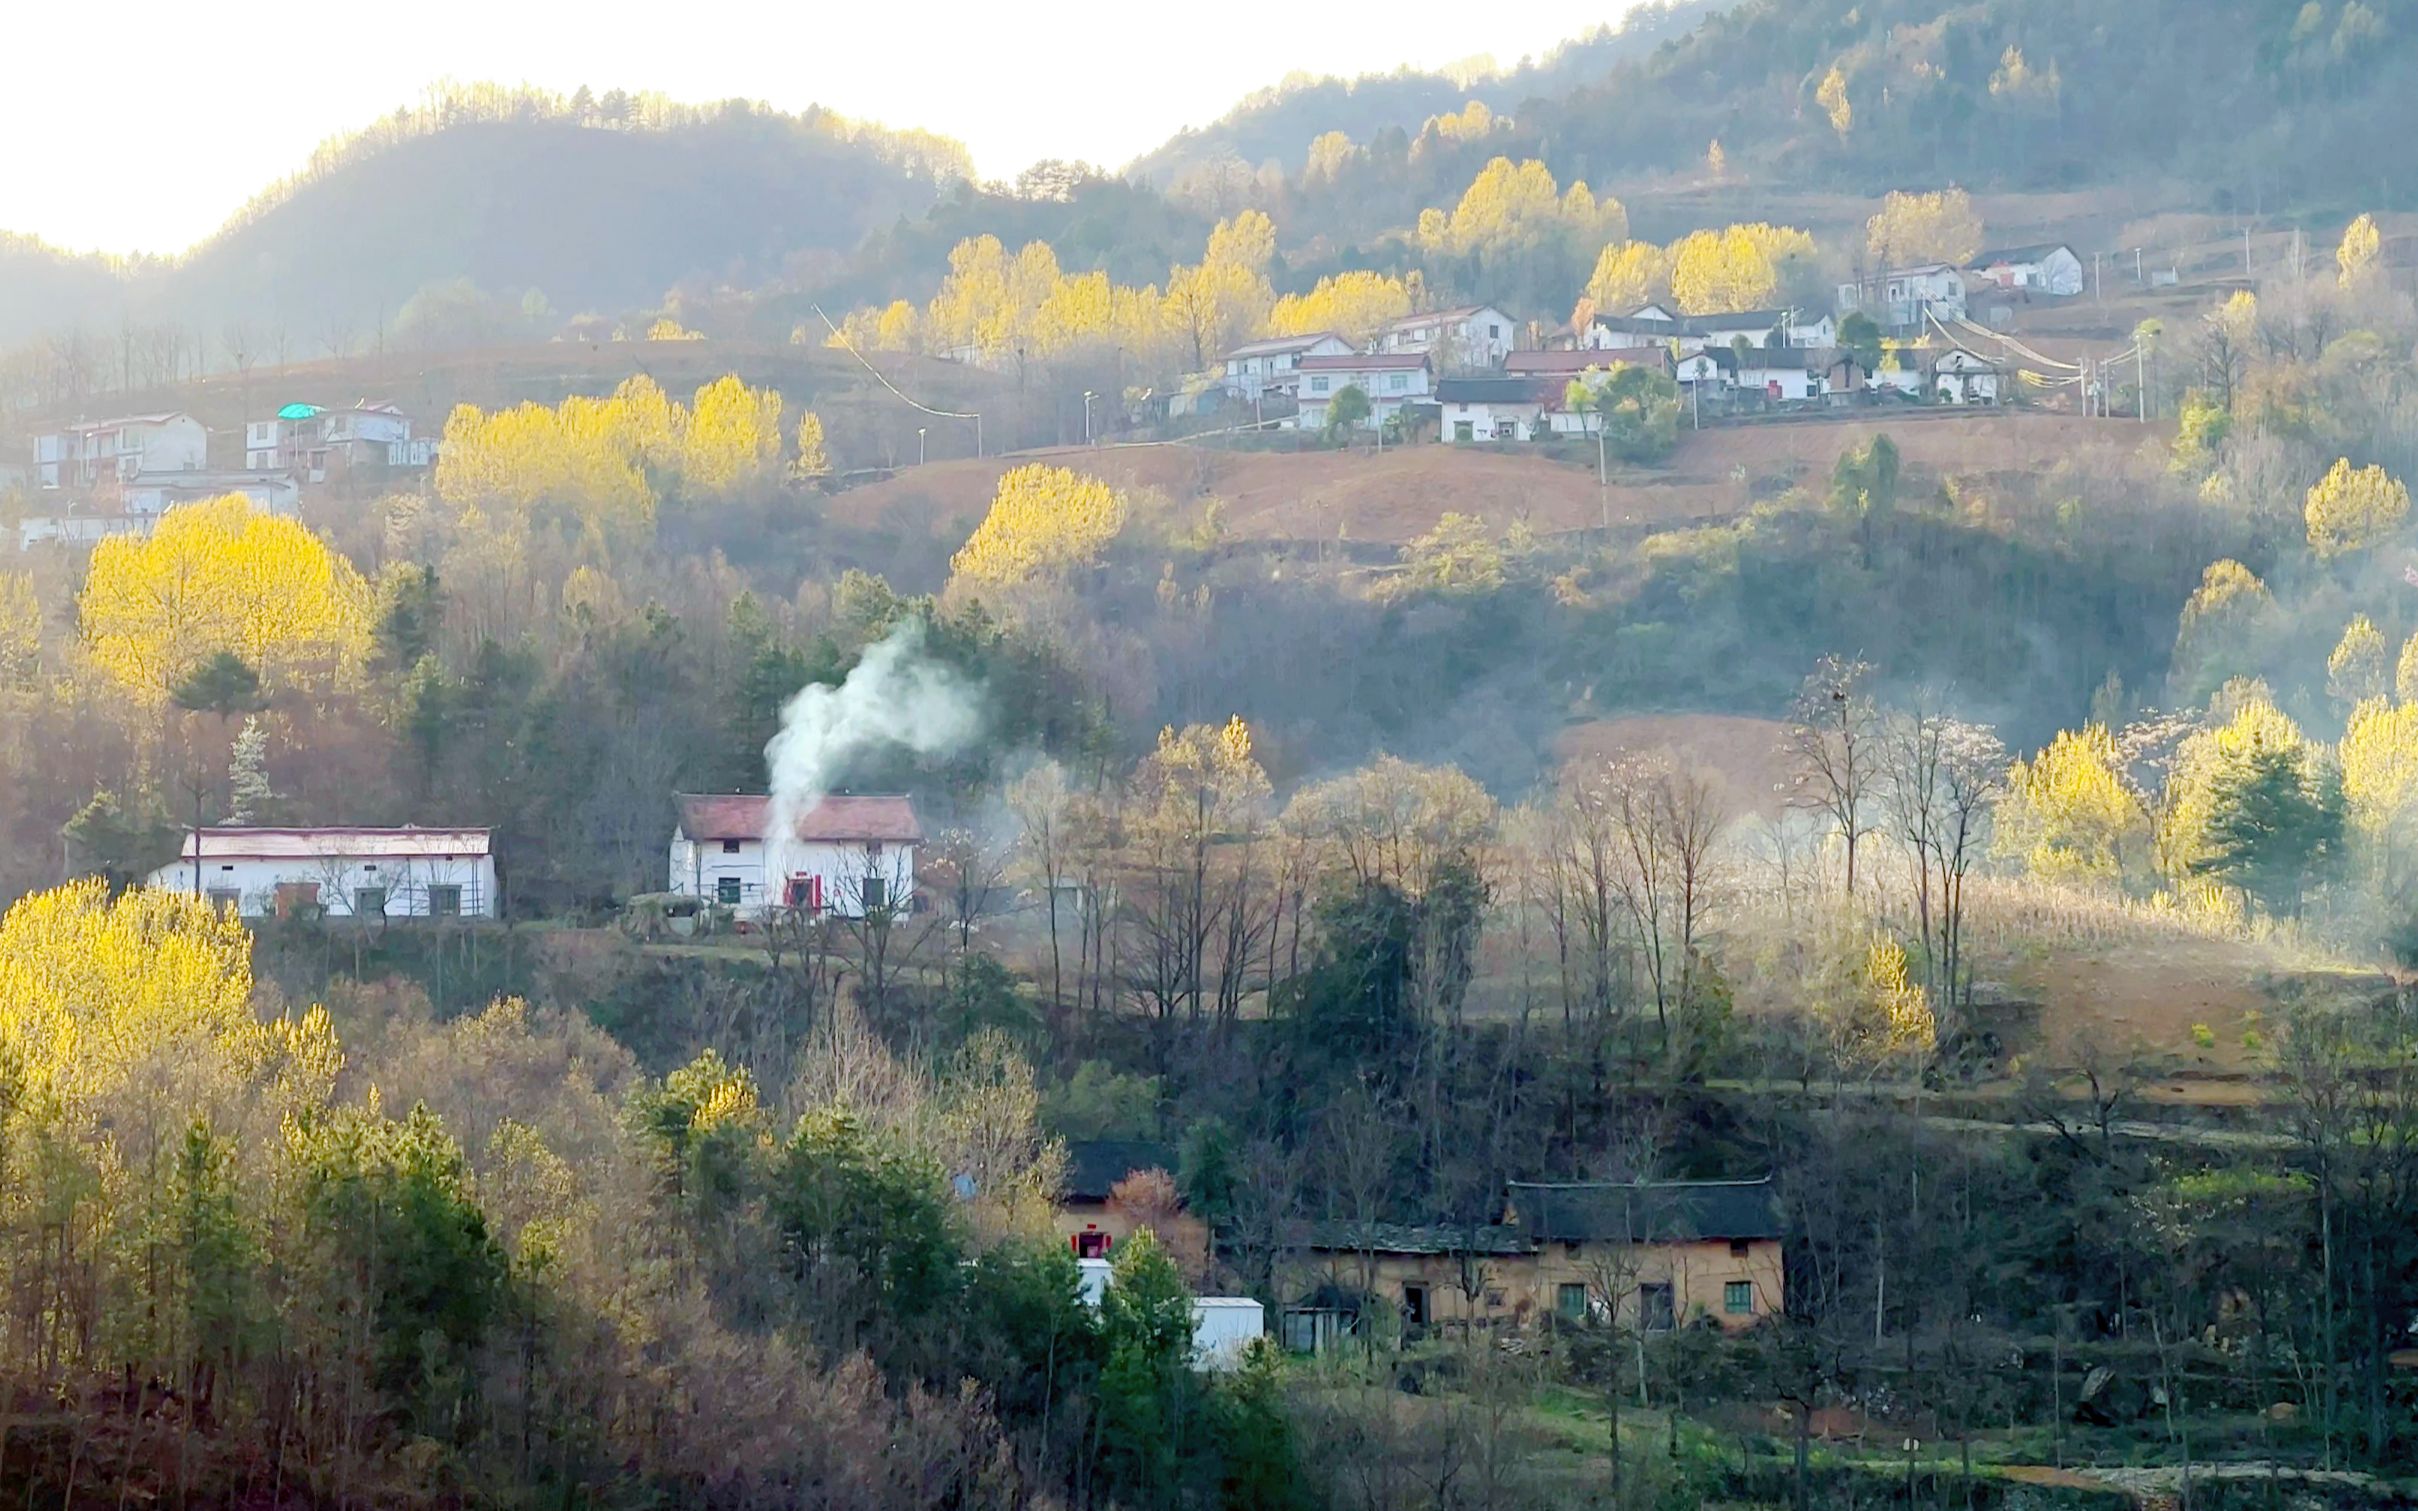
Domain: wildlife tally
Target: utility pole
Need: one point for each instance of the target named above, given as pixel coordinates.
(1088, 396)
(2098, 290)
(2137, 278)
(2141, 377)
(2245, 251)
(919, 445)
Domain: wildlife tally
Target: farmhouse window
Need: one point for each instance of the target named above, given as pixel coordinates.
(1655, 1310)
(226, 899)
(875, 892)
(369, 902)
(444, 902)
(726, 890)
(1570, 1302)
(730, 847)
(1738, 1298)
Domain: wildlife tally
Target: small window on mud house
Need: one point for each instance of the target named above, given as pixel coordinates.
(730, 847)
(1738, 1298)
(1570, 1303)
(1738, 1247)
(1655, 1311)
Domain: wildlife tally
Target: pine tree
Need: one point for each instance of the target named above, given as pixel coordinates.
(250, 798)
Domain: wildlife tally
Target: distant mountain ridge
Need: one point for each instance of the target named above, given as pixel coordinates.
(1279, 123)
(588, 211)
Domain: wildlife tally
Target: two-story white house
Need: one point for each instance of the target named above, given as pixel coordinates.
(109, 451)
(339, 872)
(1272, 366)
(851, 856)
(1390, 379)
(316, 444)
(2048, 267)
(1902, 297)
(1471, 337)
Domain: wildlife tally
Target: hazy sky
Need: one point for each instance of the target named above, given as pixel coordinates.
(149, 122)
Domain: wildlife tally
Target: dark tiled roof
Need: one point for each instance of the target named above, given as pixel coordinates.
(1661, 1212)
(1492, 391)
(1567, 363)
(1094, 1166)
(1415, 1238)
(740, 815)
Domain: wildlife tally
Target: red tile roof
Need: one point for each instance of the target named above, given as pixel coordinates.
(740, 815)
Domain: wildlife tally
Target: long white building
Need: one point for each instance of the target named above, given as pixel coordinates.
(339, 872)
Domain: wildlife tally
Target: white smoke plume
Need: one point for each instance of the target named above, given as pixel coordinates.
(896, 695)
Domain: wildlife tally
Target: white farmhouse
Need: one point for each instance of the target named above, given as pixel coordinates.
(340, 872)
(848, 856)
(1470, 336)
(2048, 267)
(99, 451)
(1390, 379)
(1496, 409)
(1272, 366)
(1963, 377)
(1901, 297)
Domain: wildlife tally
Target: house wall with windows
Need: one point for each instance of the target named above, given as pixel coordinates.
(339, 872)
(849, 856)
(1391, 380)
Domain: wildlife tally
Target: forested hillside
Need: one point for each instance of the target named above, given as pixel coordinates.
(1279, 124)
(532, 203)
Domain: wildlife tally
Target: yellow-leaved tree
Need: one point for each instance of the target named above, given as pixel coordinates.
(1514, 207)
(1831, 95)
(1937, 227)
(2357, 254)
(732, 440)
(1354, 305)
(2349, 510)
(668, 329)
(221, 576)
(20, 630)
(2221, 629)
(2405, 672)
(813, 460)
(1042, 520)
(1628, 274)
(1740, 267)
(98, 988)
(2357, 670)
(2379, 754)
(2070, 816)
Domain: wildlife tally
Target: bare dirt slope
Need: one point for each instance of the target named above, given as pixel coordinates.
(1311, 495)
(1400, 493)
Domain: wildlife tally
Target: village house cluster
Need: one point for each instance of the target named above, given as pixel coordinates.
(1479, 376)
(118, 475)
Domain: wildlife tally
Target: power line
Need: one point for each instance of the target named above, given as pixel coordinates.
(945, 414)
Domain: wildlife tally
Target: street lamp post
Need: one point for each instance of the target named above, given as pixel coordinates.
(1088, 396)
(919, 445)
